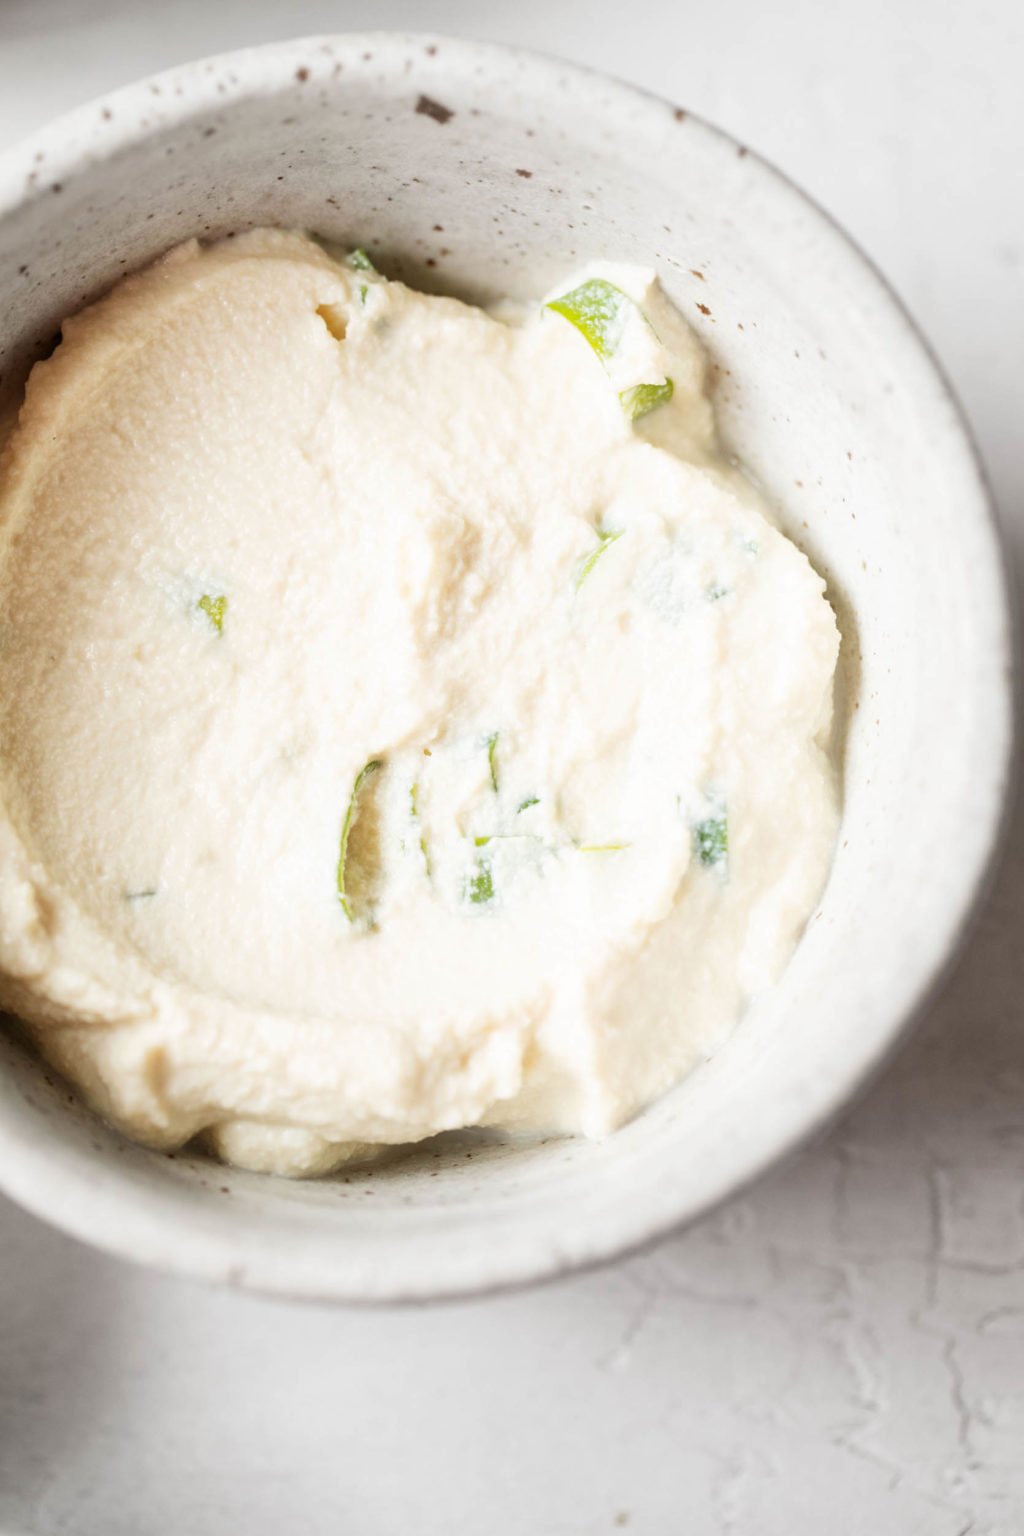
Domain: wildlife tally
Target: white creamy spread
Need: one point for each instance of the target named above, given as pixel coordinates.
(408, 719)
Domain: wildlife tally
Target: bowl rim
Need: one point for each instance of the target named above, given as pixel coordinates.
(99, 1212)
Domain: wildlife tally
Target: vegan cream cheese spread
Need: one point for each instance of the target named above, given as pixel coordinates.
(408, 717)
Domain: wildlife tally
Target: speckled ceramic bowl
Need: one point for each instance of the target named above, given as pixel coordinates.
(487, 172)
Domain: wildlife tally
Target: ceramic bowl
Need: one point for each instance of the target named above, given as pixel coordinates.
(487, 172)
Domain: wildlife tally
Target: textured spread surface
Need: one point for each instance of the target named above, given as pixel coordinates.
(394, 737)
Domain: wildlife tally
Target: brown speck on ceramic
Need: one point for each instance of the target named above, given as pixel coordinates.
(302, 75)
(741, 150)
(208, 133)
(680, 114)
(57, 187)
(695, 272)
(439, 229)
(430, 49)
(703, 309)
(106, 114)
(431, 262)
(526, 174)
(428, 107)
(367, 57)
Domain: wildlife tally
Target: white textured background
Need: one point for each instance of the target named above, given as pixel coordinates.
(842, 1350)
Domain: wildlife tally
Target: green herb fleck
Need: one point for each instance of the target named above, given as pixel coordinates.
(145, 895)
(360, 262)
(643, 398)
(491, 743)
(346, 828)
(414, 810)
(530, 800)
(215, 609)
(505, 837)
(604, 540)
(363, 291)
(597, 309)
(602, 847)
(711, 840)
(480, 885)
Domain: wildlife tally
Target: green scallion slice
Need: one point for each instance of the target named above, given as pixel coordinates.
(644, 398)
(598, 310)
(346, 829)
(215, 609)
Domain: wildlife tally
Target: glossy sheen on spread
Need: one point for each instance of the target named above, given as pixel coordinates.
(408, 720)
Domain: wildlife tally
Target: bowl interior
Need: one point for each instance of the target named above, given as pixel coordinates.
(486, 173)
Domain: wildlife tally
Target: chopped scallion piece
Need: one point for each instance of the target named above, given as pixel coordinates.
(360, 262)
(215, 609)
(711, 840)
(597, 309)
(605, 539)
(480, 885)
(530, 800)
(414, 811)
(643, 398)
(505, 837)
(346, 828)
(491, 743)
